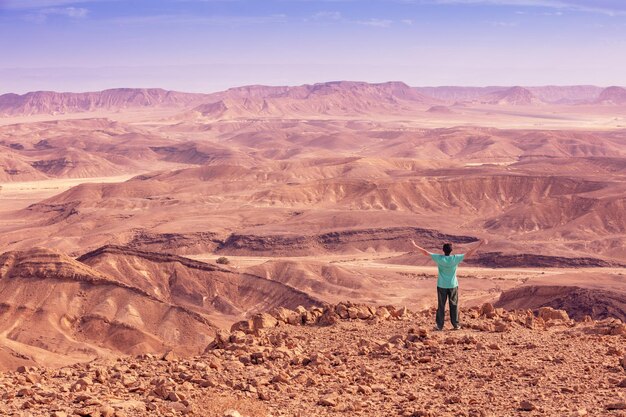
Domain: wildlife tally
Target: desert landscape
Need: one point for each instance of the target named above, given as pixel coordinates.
(248, 252)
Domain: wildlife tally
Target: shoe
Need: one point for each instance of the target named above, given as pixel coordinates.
(457, 327)
(438, 329)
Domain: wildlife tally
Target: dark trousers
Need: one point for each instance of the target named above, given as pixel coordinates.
(444, 294)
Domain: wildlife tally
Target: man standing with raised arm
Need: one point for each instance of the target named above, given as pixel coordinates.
(447, 283)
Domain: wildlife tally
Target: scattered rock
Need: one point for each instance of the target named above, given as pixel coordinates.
(329, 400)
(619, 405)
(169, 356)
(526, 405)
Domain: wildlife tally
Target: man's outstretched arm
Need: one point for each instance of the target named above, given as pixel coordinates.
(474, 249)
(420, 249)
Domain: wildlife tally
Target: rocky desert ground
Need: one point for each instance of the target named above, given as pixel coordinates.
(116, 206)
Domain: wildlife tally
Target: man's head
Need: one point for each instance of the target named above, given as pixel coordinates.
(447, 248)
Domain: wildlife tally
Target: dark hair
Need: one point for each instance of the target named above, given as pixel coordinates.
(447, 248)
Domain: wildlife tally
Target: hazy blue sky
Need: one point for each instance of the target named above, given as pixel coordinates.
(209, 45)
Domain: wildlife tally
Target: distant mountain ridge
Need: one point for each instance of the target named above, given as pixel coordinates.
(332, 98)
(550, 94)
(50, 102)
(335, 98)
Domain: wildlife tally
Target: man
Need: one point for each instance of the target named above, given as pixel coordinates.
(447, 283)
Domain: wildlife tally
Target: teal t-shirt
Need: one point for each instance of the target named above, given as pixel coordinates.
(447, 269)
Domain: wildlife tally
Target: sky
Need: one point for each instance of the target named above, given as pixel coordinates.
(211, 45)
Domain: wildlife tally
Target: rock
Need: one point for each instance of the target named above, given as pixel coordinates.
(238, 337)
(328, 318)
(401, 313)
(622, 383)
(378, 387)
(33, 378)
(487, 310)
(364, 313)
(364, 389)
(107, 411)
(618, 330)
(169, 356)
(263, 321)
(500, 326)
(526, 405)
(232, 413)
(548, 313)
(244, 326)
(455, 399)
(620, 405)
(264, 395)
(341, 310)
(58, 414)
(173, 396)
(383, 313)
(329, 400)
(24, 392)
(287, 316)
(623, 362)
(281, 377)
(353, 312)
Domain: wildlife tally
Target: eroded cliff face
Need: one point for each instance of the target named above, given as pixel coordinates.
(345, 241)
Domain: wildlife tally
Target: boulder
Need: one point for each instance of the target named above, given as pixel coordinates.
(263, 321)
(548, 313)
(328, 318)
(364, 313)
(244, 326)
(383, 313)
(341, 310)
(238, 337)
(488, 310)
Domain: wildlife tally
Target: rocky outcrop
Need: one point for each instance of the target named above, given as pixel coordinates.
(366, 367)
(578, 302)
(332, 242)
(527, 260)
